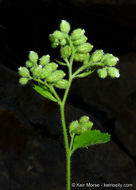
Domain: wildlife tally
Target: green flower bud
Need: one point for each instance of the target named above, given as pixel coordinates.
(64, 26)
(81, 56)
(77, 34)
(51, 38)
(109, 60)
(23, 81)
(97, 55)
(105, 57)
(113, 72)
(55, 44)
(48, 69)
(112, 61)
(65, 52)
(85, 48)
(58, 35)
(62, 84)
(86, 125)
(63, 42)
(24, 72)
(29, 64)
(55, 76)
(102, 73)
(33, 57)
(73, 126)
(82, 40)
(83, 127)
(78, 130)
(44, 60)
(37, 71)
(84, 119)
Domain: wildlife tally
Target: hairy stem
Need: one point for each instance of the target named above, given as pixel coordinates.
(62, 107)
(62, 110)
(66, 144)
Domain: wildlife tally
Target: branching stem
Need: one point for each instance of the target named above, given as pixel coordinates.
(62, 111)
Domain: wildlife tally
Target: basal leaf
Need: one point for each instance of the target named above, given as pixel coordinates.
(44, 92)
(91, 137)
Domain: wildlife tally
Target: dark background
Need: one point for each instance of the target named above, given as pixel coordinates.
(31, 142)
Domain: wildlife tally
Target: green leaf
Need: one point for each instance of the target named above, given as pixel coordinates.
(84, 74)
(61, 63)
(43, 90)
(91, 137)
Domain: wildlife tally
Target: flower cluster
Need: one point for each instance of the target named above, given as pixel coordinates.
(45, 71)
(108, 62)
(81, 126)
(77, 38)
(75, 46)
(82, 49)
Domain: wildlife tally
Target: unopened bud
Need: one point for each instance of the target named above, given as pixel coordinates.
(33, 57)
(105, 57)
(51, 38)
(54, 44)
(83, 127)
(109, 60)
(48, 69)
(81, 56)
(65, 26)
(23, 81)
(24, 72)
(62, 84)
(37, 71)
(77, 34)
(65, 52)
(82, 40)
(112, 61)
(97, 55)
(55, 76)
(73, 126)
(29, 64)
(113, 72)
(102, 73)
(78, 130)
(44, 60)
(58, 35)
(63, 42)
(85, 48)
(84, 119)
(86, 125)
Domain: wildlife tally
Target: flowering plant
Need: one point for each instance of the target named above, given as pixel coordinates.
(47, 78)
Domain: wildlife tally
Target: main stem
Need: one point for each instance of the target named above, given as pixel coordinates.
(66, 145)
(62, 111)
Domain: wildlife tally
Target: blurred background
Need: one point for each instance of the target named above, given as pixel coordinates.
(31, 142)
